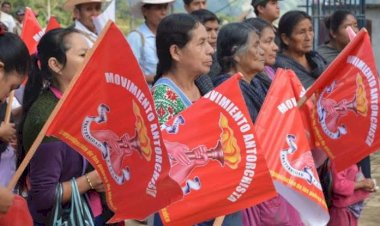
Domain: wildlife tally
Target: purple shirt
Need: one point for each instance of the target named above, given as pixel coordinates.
(52, 163)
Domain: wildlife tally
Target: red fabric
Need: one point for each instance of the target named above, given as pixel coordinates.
(345, 118)
(52, 24)
(343, 187)
(31, 31)
(108, 116)
(342, 216)
(18, 214)
(215, 158)
(286, 146)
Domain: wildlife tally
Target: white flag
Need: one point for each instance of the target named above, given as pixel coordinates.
(108, 14)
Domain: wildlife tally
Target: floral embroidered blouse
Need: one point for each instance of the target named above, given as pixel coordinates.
(169, 99)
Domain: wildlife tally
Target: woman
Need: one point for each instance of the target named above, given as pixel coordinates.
(270, 48)
(60, 54)
(239, 50)
(276, 211)
(336, 24)
(184, 54)
(296, 34)
(14, 66)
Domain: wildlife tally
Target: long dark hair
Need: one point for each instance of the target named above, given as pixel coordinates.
(333, 22)
(174, 29)
(52, 44)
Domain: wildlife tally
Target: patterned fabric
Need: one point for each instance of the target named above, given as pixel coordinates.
(169, 99)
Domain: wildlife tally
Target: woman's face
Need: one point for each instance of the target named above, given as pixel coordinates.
(268, 45)
(8, 82)
(77, 49)
(341, 35)
(251, 61)
(301, 38)
(196, 55)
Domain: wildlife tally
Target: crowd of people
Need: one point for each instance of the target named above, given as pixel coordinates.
(186, 54)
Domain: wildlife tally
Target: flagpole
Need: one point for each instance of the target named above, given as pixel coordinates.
(41, 135)
(7, 118)
(219, 221)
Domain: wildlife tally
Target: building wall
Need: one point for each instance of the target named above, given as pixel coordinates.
(373, 14)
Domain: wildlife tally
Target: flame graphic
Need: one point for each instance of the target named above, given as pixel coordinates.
(230, 147)
(361, 99)
(142, 134)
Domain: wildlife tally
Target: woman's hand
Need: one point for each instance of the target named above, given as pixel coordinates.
(7, 132)
(6, 200)
(95, 182)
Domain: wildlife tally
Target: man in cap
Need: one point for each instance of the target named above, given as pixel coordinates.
(20, 14)
(192, 5)
(143, 39)
(84, 11)
(268, 10)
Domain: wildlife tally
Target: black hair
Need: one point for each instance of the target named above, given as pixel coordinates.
(52, 44)
(232, 38)
(289, 21)
(174, 29)
(263, 4)
(187, 2)
(204, 15)
(258, 23)
(333, 22)
(6, 3)
(14, 54)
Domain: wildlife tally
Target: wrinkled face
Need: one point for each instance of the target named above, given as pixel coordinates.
(85, 12)
(252, 59)
(268, 45)
(77, 50)
(271, 11)
(341, 35)
(155, 13)
(212, 28)
(196, 55)
(301, 39)
(196, 5)
(8, 82)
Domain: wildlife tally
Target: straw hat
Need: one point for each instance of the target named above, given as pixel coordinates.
(137, 4)
(70, 4)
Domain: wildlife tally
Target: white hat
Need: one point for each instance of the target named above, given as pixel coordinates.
(137, 4)
(70, 4)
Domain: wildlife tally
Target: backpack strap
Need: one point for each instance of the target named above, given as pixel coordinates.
(142, 43)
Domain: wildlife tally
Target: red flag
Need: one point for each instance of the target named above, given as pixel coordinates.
(31, 31)
(108, 116)
(52, 24)
(18, 214)
(225, 173)
(282, 136)
(346, 114)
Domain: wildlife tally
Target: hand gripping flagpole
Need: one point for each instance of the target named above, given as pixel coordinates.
(32, 150)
